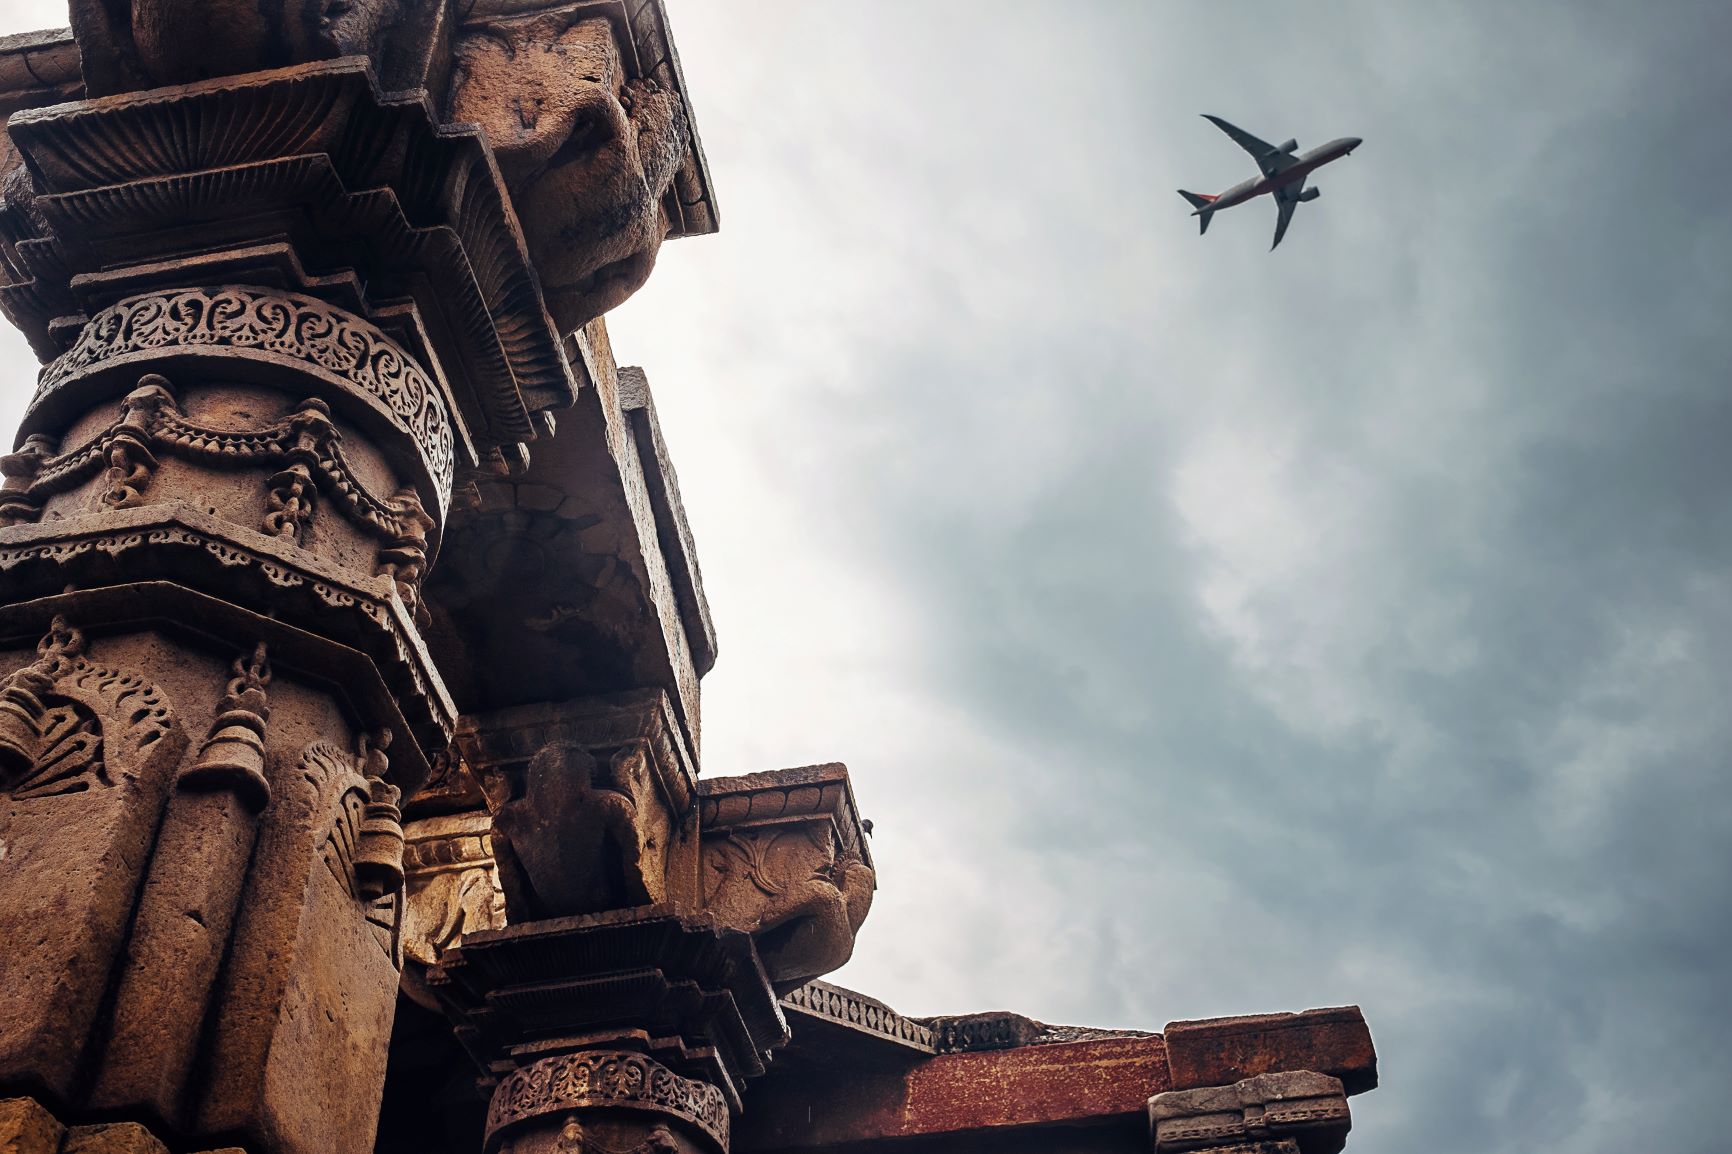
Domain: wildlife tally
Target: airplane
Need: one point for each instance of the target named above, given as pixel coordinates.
(1283, 175)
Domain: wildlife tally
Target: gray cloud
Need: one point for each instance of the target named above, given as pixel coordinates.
(1212, 631)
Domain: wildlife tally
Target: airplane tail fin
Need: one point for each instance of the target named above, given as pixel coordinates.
(1200, 202)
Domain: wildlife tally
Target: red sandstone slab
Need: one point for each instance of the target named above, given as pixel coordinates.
(1098, 1082)
(1221, 1051)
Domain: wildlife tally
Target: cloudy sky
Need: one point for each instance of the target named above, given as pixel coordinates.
(1213, 631)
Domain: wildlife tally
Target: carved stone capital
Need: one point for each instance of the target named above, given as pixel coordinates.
(605, 1080)
(679, 987)
(590, 150)
(1301, 1106)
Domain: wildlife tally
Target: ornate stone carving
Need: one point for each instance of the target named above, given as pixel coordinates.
(316, 337)
(233, 756)
(86, 757)
(1306, 1107)
(51, 717)
(247, 568)
(591, 800)
(587, 834)
(785, 859)
(573, 1140)
(592, 1079)
(364, 847)
(453, 888)
(587, 152)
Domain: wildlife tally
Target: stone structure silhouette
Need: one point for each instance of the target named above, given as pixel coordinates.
(351, 634)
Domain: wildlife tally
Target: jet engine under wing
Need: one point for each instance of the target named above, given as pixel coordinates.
(1269, 158)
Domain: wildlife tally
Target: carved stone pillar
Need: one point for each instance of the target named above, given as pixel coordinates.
(282, 314)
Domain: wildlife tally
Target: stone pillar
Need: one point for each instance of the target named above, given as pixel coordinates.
(285, 317)
(216, 532)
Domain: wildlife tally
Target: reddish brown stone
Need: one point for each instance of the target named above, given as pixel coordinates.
(1221, 1051)
(121, 1138)
(26, 1128)
(1103, 1082)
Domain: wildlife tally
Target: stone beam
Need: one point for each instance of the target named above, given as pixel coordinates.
(1104, 1085)
(1001, 1081)
(1220, 1051)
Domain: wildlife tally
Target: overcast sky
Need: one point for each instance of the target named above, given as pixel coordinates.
(1212, 631)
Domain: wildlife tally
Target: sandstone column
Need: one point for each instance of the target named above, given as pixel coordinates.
(284, 318)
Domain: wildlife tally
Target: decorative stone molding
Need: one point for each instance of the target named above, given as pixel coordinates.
(692, 993)
(858, 1012)
(251, 157)
(306, 443)
(318, 340)
(249, 569)
(971, 1033)
(1299, 1105)
(604, 1078)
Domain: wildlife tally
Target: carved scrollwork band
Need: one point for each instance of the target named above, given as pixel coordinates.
(606, 1078)
(253, 320)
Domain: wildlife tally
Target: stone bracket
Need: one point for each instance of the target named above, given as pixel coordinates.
(1299, 1105)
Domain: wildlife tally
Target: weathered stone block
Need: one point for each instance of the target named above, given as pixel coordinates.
(1219, 1051)
(26, 1128)
(121, 1138)
(1308, 1107)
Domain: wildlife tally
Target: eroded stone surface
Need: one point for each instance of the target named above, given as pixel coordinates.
(1219, 1051)
(117, 1138)
(27, 1128)
(587, 151)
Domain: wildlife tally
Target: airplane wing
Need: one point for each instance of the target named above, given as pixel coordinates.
(1267, 156)
(1284, 206)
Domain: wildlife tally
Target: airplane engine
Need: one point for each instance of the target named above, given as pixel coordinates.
(1310, 194)
(1290, 147)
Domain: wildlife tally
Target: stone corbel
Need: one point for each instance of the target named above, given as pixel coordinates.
(785, 859)
(588, 149)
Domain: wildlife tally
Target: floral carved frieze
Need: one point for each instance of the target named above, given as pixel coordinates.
(606, 1078)
(309, 334)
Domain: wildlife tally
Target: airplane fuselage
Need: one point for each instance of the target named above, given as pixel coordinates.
(1304, 165)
